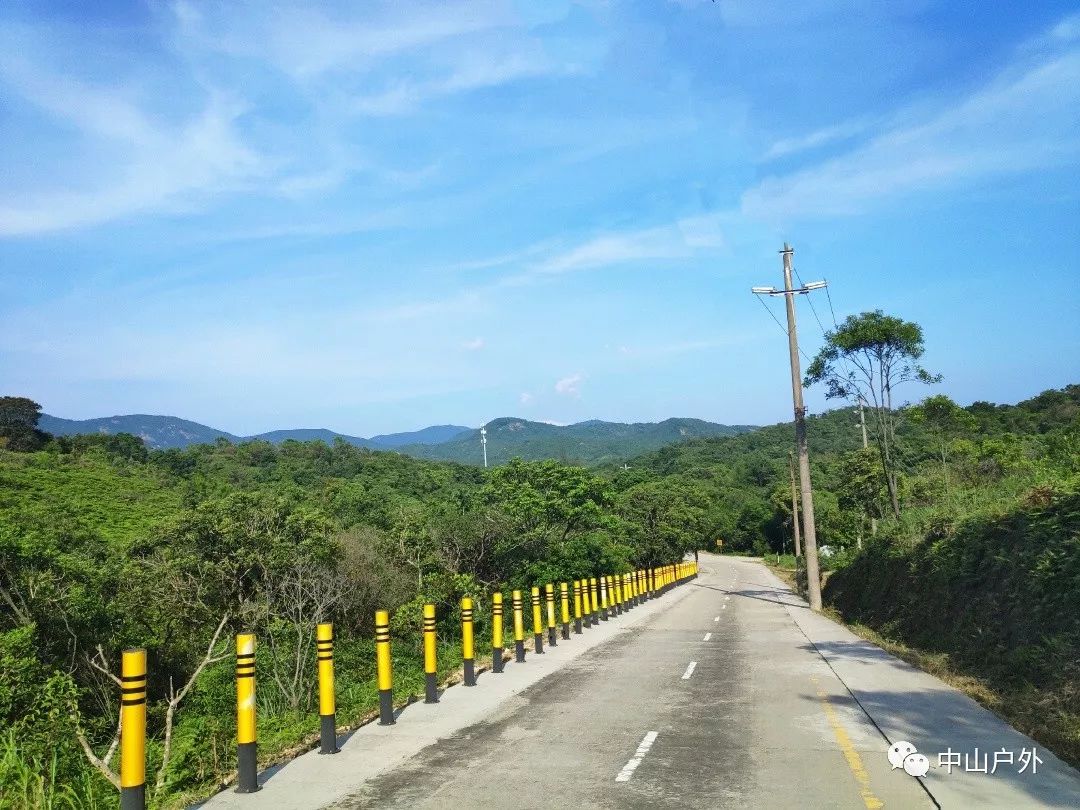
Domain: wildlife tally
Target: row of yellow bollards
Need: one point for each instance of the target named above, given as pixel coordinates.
(593, 600)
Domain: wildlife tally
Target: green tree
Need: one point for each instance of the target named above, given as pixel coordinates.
(18, 424)
(666, 518)
(948, 421)
(866, 358)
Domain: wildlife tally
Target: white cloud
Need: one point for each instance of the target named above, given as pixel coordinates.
(525, 398)
(1026, 118)
(473, 345)
(571, 385)
(161, 164)
(820, 137)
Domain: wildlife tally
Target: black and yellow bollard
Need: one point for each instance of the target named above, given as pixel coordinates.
(247, 780)
(431, 664)
(594, 601)
(617, 581)
(519, 628)
(538, 622)
(603, 599)
(641, 589)
(628, 591)
(564, 605)
(133, 730)
(384, 668)
(324, 659)
(549, 597)
(577, 606)
(467, 652)
(496, 633)
(586, 604)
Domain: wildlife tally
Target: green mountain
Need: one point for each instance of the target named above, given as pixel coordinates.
(589, 443)
(164, 432)
(158, 432)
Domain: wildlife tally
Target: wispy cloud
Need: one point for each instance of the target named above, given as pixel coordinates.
(525, 398)
(153, 163)
(570, 385)
(816, 139)
(1027, 117)
(473, 345)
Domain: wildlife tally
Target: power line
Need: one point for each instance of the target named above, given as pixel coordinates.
(810, 301)
(782, 329)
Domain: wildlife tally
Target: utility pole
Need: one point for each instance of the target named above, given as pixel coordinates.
(794, 505)
(813, 574)
(865, 445)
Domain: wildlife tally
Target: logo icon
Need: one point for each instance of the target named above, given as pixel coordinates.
(898, 751)
(916, 764)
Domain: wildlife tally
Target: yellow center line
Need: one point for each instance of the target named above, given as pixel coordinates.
(854, 761)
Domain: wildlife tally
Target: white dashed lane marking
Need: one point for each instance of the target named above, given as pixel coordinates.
(689, 671)
(707, 636)
(631, 766)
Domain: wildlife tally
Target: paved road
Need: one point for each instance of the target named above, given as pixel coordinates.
(755, 724)
(725, 692)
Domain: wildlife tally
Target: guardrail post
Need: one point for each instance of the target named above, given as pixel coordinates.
(247, 780)
(594, 601)
(497, 632)
(564, 605)
(385, 668)
(603, 599)
(577, 606)
(549, 596)
(467, 651)
(133, 729)
(519, 628)
(431, 665)
(324, 656)
(538, 622)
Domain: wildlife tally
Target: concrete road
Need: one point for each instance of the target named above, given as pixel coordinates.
(725, 692)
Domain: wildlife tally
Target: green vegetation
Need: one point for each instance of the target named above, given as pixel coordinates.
(978, 577)
(106, 545)
(586, 443)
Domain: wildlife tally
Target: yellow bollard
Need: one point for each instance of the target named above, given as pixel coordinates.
(538, 622)
(431, 664)
(496, 632)
(324, 657)
(247, 780)
(603, 599)
(586, 604)
(594, 601)
(133, 729)
(549, 595)
(519, 628)
(384, 667)
(467, 651)
(577, 606)
(564, 604)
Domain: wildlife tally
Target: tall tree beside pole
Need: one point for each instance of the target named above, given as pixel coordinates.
(867, 356)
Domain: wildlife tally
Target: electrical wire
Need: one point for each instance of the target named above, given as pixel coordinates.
(782, 327)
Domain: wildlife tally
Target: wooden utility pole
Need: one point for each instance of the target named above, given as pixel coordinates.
(794, 505)
(865, 445)
(813, 575)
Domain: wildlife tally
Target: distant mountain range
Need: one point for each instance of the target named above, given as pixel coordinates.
(162, 432)
(592, 442)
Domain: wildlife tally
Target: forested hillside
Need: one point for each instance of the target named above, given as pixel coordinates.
(586, 443)
(105, 544)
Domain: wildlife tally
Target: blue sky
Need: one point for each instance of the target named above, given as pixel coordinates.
(377, 216)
